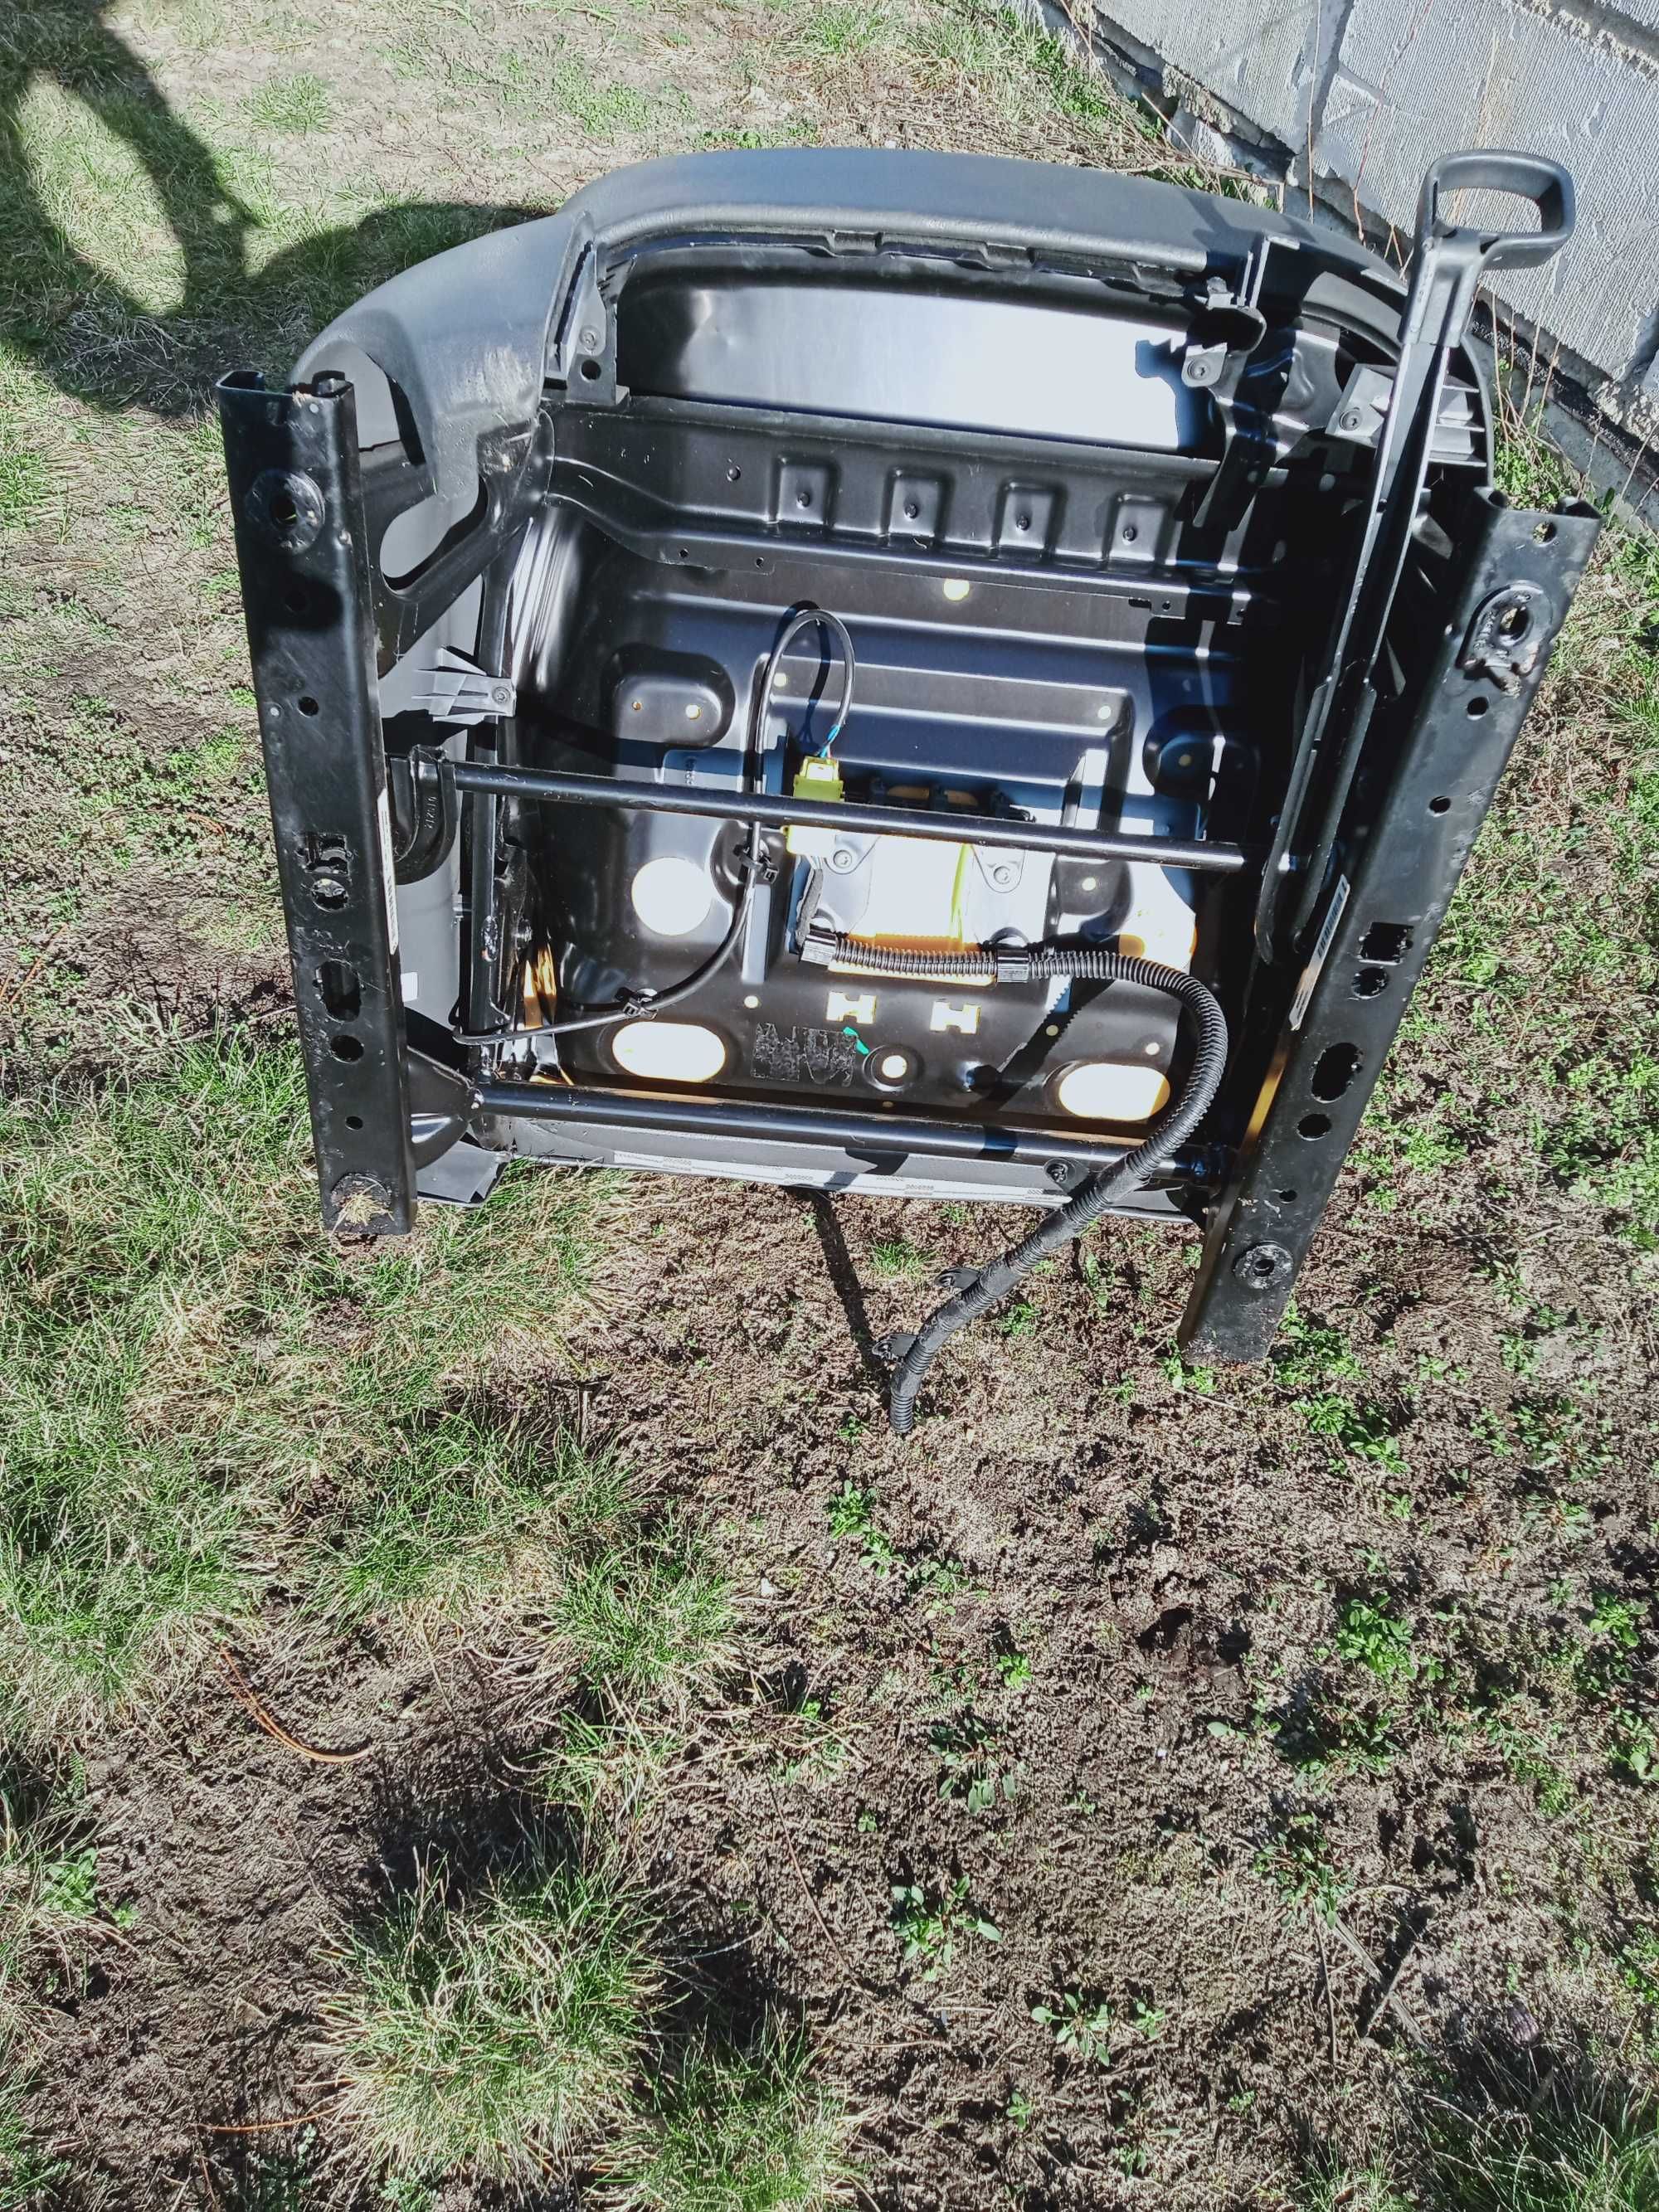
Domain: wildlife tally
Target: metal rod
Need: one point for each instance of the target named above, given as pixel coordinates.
(845, 1132)
(773, 814)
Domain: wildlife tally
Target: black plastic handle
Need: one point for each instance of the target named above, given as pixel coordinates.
(1530, 176)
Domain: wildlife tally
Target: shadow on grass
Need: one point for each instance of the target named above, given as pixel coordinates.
(509, 1995)
(84, 328)
(1507, 2118)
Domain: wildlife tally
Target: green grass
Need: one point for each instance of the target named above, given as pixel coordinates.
(646, 1616)
(187, 1362)
(27, 2172)
(1340, 2187)
(296, 104)
(525, 2032)
(466, 1512)
(746, 2132)
(613, 1768)
(896, 1258)
(23, 482)
(494, 2034)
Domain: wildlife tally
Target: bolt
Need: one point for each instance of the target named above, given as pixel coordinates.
(1002, 876)
(912, 510)
(1059, 1172)
(1022, 522)
(842, 859)
(588, 341)
(1351, 420)
(502, 695)
(1130, 534)
(803, 498)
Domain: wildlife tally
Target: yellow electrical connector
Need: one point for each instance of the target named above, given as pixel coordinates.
(817, 777)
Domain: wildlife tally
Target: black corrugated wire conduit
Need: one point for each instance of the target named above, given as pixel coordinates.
(1068, 1222)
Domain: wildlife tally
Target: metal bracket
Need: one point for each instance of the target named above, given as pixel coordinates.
(1432, 786)
(296, 496)
(457, 690)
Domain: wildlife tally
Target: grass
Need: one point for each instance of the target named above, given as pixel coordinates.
(493, 2032)
(526, 2030)
(296, 104)
(1581, 2165)
(186, 1361)
(745, 2132)
(647, 1615)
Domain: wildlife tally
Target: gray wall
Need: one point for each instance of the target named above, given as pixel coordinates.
(1374, 89)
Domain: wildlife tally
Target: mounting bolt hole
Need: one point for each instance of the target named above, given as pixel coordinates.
(1314, 1125)
(1370, 983)
(354, 1121)
(306, 704)
(346, 1048)
(295, 601)
(1287, 1198)
(592, 372)
(1476, 708)
(1336, 1068)
(1440, 806)
(1543, 533)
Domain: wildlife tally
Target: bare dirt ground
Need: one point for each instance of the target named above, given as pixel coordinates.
(1150, 1785)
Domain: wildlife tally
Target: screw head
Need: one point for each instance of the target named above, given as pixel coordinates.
(842, 859)
(1002, 878)
(1350, 421)
(588, 341)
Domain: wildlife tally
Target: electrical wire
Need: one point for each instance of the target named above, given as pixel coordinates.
(808, 615)
(1088, 1204)
(642, 1005)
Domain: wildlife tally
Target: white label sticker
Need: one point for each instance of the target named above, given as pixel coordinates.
(386, 870)
(1304, 989)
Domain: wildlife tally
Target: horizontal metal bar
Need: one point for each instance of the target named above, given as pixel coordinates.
(813, 1125)
(772, 813)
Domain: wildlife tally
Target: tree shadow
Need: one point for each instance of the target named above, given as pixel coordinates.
(82, 326)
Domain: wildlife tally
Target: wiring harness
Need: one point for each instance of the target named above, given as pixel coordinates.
(985, 1287)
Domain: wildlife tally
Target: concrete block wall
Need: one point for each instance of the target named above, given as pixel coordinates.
(1360, 95)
